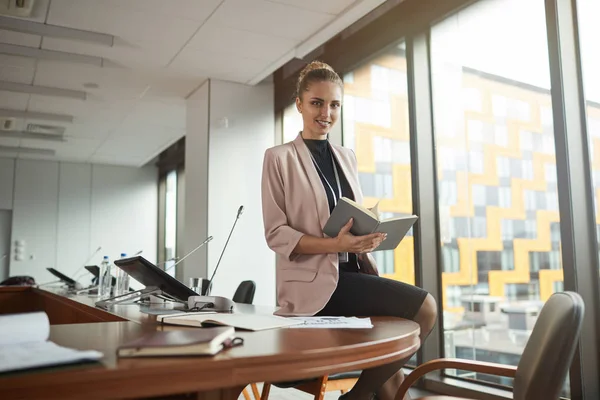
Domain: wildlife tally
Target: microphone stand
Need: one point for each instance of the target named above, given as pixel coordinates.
(205, 302)
(241, 209)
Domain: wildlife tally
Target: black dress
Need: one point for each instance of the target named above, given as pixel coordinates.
(359, 294)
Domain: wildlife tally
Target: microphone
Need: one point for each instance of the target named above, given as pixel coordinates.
(208, 239)
(215, 303)
(239, 213)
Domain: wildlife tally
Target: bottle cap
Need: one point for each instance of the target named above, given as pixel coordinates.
(105, 257)
(123, 255)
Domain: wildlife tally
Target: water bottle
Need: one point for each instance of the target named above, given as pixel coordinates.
(122, 286)
(105, 284)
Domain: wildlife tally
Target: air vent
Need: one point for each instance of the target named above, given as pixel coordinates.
(17, 8)
(7, 124)
(46, 129)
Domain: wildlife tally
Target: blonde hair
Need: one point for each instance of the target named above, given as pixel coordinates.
(316, 71)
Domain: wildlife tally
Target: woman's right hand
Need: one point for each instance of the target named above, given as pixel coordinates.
(348, 243)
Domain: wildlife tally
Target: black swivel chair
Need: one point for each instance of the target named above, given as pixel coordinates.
(245, 292)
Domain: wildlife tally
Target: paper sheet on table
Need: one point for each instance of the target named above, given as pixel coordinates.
(24, 344)
(333, 322)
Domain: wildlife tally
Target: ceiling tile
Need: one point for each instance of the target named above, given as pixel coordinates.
(123, 54)
(117, 159)
(333, 7)
(114, 83)
(144, 143)
(17, 61)
(242, 43)
(217, 65)
(186, 9)
(16, 74)
(270, 18)
(4, 141)
(137, 36)
(20, 39)
(154, 113)
(14, 101)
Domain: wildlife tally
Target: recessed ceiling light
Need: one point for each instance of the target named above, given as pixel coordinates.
(91, 85)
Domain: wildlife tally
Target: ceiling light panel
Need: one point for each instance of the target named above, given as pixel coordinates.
(42, 90)
(4, 112)
(46, 30)
(42, 54)
(27, 150)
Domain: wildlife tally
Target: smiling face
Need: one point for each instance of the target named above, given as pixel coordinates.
(320, 107)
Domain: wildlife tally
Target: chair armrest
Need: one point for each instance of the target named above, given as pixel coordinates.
(454, 363)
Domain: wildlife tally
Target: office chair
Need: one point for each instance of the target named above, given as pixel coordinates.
(244, 294)
(546, 359)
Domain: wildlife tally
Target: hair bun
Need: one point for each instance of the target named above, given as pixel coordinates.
(313, 65)
(316, 71)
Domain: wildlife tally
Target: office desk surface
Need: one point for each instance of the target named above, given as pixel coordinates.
(272, 355)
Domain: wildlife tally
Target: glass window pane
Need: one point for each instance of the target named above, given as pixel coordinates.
(170, 222)
(376, 127)
(292, 123)
(589, 31)
(492, 107)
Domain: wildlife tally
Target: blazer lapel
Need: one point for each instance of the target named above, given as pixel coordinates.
(313, 178)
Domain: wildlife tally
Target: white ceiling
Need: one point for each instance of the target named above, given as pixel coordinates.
(164, 49)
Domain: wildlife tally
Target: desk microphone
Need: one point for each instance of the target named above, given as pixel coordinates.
(215, 303)
(239, 213)
(208, 239)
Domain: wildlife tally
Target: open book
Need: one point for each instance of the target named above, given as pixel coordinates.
(250, 322)
(367, 221)
(180, 343)
(24, 344)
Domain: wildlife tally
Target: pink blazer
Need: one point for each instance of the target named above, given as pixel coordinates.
(294, 203)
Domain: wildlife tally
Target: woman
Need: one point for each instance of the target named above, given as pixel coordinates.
(318, 275)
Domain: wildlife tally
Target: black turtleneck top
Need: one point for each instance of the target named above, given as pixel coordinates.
(323, 156)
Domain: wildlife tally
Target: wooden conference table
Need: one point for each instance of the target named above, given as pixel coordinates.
(271, 356)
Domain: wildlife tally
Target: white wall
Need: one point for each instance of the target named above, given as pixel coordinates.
(65, 211)
(223, 171)
(235, 169)
(196, 183)
(7, 172)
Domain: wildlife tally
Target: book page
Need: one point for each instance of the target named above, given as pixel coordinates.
(41, 354)
(24, 328)
(396, 229)
(364, 221)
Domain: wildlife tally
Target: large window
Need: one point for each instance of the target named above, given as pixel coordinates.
(292, 123)
(498, 201)
(589, 32)
(376, 127)
(170, 243)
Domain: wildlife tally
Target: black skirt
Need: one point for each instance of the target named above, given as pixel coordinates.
(364, 295)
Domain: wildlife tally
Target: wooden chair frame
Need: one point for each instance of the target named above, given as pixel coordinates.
(453, 363)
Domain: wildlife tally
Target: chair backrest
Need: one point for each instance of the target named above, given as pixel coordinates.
(245, 292)
(549, 352)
